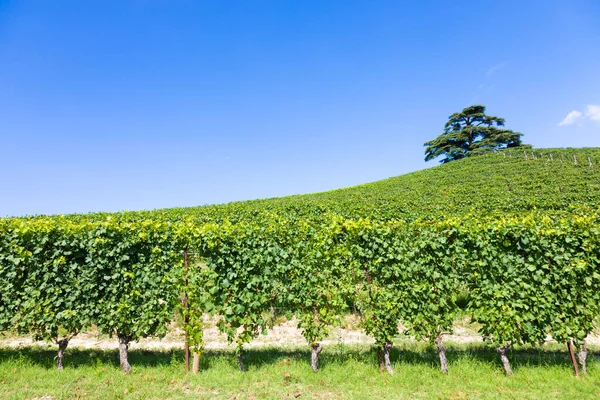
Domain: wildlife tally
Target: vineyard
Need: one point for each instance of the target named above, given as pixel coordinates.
(515, 236)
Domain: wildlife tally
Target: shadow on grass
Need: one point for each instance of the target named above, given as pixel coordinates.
(256, 358)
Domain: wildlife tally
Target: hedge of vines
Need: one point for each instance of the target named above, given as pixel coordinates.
(526, 277)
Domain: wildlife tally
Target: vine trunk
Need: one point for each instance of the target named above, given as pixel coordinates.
(504, 359)
(62, 346)
(124, 352)
(314, 358)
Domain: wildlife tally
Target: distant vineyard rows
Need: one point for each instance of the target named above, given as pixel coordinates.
(498, 184)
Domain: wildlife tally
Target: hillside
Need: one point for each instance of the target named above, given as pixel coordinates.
(503, 182)
(506, 182)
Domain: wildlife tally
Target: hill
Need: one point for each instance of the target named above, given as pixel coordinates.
(506, 182)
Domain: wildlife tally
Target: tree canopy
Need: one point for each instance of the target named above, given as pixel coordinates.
(471, 132)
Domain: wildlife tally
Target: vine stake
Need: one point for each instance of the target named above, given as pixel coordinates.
(573, 360)
(186, 319)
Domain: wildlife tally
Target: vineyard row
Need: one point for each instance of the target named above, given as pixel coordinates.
(523, 277)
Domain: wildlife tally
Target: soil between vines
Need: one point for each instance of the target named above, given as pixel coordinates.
(285, 334)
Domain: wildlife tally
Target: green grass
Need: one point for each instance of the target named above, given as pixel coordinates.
(346, 372)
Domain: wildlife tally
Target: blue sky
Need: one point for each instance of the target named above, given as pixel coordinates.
(113, 105)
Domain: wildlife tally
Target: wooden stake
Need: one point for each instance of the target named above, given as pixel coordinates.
(573, 360)
(187, 317)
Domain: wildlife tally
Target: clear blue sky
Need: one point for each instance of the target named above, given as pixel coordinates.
(112, 105)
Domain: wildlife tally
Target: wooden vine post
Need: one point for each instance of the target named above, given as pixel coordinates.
(186, 318)
(573, 360)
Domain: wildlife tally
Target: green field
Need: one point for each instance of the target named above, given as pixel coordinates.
(348, 372)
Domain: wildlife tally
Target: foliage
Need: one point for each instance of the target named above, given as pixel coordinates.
(46, 260)
(377, 268)
(470, 132)
(528, 276)
(434, 261)
(193, 285)
(511, 295)
(318, 279)
(137, 265)
(573, 253)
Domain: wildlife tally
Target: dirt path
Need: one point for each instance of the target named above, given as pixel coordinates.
(284, 335)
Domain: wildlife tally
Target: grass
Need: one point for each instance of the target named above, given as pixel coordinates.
(346, 372)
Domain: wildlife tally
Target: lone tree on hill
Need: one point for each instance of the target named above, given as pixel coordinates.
(471, 132)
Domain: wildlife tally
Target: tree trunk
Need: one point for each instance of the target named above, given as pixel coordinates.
(505, 363)
(582, 357)
(196, 364)
(442, 353)
(386, 358)
(314, 359)
(240, 360)
(62, 346)
(123, 352)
